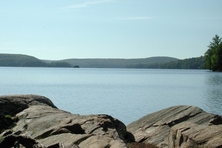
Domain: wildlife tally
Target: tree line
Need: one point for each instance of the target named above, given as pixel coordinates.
(191, 63)
(19, 60)
(213, 55)
(211, 60)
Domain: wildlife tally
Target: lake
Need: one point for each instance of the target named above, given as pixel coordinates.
(126, 94)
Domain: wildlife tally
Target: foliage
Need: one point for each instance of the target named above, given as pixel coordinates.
(19, 60)
(191, 63)
(213, 55)
(59, 64)
(116, 63)
(6, 122)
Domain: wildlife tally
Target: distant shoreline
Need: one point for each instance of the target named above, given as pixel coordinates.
(19, 60)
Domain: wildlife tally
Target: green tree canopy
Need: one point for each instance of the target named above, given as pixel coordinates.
(213, 55)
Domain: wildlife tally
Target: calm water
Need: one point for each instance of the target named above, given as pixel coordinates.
(126, 94)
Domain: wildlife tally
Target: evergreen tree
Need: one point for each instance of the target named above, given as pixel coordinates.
(213, 55)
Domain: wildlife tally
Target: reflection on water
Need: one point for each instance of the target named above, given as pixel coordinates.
(214, 92)
(215, 79)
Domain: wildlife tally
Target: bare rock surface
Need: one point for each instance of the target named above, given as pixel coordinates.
(51, 126)
(41, 124)
(14, 104)
(179, 127)
(33, 121)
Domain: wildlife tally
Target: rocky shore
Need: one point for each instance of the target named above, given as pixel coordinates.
(33, 121)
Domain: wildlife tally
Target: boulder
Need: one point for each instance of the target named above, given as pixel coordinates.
(34, 121)
(41, 124)
(179, 127)
(12, 105)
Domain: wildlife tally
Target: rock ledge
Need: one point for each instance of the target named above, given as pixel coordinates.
(38, 123)
(33, 121)
(179, 127)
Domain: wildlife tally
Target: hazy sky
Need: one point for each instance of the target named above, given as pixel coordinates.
(60, 29)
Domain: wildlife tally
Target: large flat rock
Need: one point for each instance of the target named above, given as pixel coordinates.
(179, 127)
(39, 122)
(34, 121)
(51, 126)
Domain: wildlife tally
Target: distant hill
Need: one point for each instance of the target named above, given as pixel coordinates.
(116, 63)
(20, 60)
(190, 63)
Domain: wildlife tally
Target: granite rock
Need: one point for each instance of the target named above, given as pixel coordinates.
(44, 125)
(179, 127)
(14, 104)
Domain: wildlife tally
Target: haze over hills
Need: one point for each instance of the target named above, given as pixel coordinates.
(117, 63)
(19, 60)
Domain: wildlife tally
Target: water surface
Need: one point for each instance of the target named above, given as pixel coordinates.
(126, 94)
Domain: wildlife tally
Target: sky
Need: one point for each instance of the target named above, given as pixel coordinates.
(61, 29)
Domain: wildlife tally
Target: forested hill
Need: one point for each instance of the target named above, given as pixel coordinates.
(190, 63)
(117, 63)
(20, 60)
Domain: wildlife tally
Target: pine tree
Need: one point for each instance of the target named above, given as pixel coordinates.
(213, 55)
